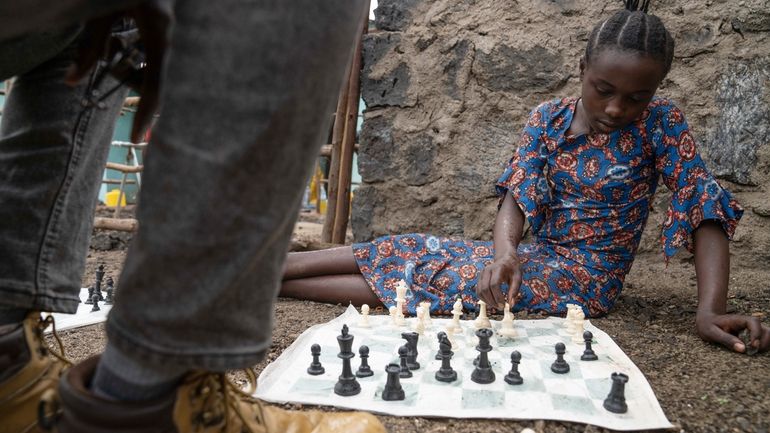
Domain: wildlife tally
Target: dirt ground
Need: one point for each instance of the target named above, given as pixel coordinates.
(701, 387)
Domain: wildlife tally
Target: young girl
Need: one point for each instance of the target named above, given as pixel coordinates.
(584, 174)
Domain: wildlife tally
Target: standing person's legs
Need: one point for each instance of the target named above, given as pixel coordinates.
(52, 155)
(249, 88)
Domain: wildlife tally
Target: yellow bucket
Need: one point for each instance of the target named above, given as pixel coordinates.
(111, 198)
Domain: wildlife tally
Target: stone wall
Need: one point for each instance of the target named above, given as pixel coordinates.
(448, 85)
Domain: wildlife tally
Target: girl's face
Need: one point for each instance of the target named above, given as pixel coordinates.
(617, 85)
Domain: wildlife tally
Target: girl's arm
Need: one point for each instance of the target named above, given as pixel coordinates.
(508, 229)
(712, 267)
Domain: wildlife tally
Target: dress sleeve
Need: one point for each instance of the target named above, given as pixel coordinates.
(523, 177)
(697, 196)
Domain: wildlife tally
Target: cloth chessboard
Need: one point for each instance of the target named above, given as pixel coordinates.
(576, 396)
(83, 317)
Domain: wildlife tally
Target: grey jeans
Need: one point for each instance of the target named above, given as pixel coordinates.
(249, 89)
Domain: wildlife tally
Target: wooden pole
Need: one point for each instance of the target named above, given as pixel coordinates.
(342, 212)
(121, 224)
(334, 163)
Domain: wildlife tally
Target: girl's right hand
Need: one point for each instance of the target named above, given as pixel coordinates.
(503, 271)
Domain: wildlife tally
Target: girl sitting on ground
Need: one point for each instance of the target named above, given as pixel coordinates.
(584, 175)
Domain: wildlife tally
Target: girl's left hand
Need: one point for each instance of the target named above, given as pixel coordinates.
(724, 329)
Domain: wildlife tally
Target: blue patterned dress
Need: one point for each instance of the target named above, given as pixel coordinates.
(586, 199)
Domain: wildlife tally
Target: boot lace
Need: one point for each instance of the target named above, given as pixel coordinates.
(60, 355)
(221, 401)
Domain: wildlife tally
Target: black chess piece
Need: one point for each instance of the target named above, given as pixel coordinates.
(513, 377)
(441, 335)
(89, 299)
(411, 344)
(616, 400)
(109, 299)
(403, 353)
(446, 373)
(393, 390)
(95, 301)
(588, 354)
(315, 367)
(347, 384)
(560, 366)
(98, 285)
(483, 372)
(364, 370)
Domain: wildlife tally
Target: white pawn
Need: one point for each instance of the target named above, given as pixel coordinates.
(363, 321)
(419, 324)
(457, 311)
(482, 321)
(426, 311)
(392, 312)
(507, 329)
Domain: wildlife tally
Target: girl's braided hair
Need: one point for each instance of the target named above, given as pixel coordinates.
(633, 29)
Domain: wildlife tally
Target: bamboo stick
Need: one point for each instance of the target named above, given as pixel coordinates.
(342, 212)
(120, 224)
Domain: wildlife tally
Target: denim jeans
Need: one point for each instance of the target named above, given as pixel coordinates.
(52, 155)
(249, 89)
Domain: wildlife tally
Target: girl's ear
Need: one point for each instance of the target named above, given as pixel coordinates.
(582, 67)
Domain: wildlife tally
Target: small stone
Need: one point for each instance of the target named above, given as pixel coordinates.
(761, 210)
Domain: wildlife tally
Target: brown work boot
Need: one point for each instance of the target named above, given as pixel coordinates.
(203, 403)
(26, 373)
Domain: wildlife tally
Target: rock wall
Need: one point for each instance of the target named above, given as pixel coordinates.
(448, 85)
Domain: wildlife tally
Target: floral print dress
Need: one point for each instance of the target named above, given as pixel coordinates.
(586, 199)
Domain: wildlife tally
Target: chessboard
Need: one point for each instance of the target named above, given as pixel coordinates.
(577, 396)
(84, 315)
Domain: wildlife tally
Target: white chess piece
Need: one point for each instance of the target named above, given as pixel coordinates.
(507, 329)
(419, 324)
(579, 320)
(392, 312)
(426, 312)
(570, 319)
(401, 289)
(363, 321)
(483, 320)
(454, 326)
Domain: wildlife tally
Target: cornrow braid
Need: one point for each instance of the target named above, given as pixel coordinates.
(633, 29)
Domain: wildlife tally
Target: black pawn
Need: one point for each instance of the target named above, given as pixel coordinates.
(315, 367)
(441, 335)
(403, 352)
(616, 400)
(411, 344)
(109, 299)
(588, 354)
(560, 366)
(393, 390)
(446, 373)
(89, 299)
(513, 377)
(483, 372)
(95, 301)
(364, 370)
(346, 384)
(99, 278)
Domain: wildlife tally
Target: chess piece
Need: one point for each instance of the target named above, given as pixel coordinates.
(483, 372)
(393, 390)
(578, 320)
(90, 297)
(347, 384)
(482, 321)
(403, 353)
(588, 354)
(110, 292)
(95, 301)
(457, 311)
(363, 322)
(568, 320)
(364, 370)
(315, 367)
(99, 278)
(446, 373)
(513, 377)
(411, 344)
(419, 324)
(616, 400)
(506, 329)
(427, 321)
(560, 366)
(392, 313)
(401, 289)
(441, 335)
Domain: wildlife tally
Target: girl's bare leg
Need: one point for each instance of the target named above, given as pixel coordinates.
(334, 289)
(332, 261)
